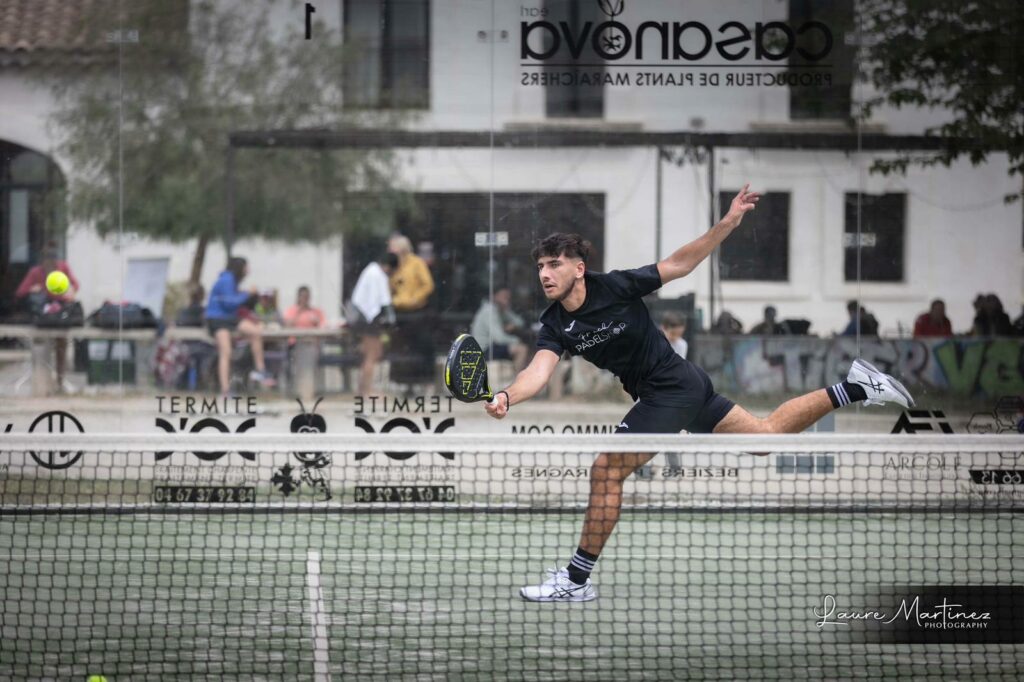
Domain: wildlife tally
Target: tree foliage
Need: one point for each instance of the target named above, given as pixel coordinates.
(156, 116)
(963, 57)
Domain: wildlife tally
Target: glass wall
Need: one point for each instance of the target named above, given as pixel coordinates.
(274, 217)
(144, 149)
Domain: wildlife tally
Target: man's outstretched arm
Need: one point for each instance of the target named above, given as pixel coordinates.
(686, 258)
(527, 384)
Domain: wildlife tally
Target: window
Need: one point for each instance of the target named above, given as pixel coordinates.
(387, 57)
(759, 250)
(829, 101)
(881, 240)
(460, 268)
(574, 91)
(31, 213)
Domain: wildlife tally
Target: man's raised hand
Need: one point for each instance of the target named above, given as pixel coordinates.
(742, 203)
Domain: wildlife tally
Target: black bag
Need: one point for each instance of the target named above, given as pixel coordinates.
(60, 314)
(124, 315)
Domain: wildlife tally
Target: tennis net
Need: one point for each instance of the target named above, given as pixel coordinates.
(390, 556)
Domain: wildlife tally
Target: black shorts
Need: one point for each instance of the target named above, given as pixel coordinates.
(362, 329)
(696, 409)
(213, 324)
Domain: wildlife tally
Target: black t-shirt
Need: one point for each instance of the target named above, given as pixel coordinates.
(613, 329)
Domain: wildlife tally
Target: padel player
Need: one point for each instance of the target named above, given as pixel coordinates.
(602, 318)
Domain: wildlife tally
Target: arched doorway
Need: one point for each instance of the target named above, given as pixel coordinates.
(31, 214)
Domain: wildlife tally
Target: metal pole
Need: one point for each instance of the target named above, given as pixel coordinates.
(657, 205)
(229, 180)
(713, 261)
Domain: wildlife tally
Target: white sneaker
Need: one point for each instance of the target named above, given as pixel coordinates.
(262, 378)
(880, 387)
(558, 587)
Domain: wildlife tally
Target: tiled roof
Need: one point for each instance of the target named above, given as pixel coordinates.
(45, 31)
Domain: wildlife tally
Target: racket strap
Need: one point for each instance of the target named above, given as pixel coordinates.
(508, 400)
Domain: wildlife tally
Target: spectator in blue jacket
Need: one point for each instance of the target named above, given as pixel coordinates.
(224, 315)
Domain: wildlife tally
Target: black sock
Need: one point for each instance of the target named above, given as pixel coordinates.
(580, 566)
(845, 393)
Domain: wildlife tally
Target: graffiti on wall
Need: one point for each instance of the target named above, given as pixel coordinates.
(963, 366)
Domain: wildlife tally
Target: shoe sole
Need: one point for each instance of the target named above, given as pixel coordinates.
(902, 390)
(591, 597)
(894, 383)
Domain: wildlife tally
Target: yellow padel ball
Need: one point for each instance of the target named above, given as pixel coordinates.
(57, 283)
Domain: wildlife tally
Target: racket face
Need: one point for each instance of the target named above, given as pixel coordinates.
(465, 372)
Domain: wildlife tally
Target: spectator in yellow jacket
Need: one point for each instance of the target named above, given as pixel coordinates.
(411, 282)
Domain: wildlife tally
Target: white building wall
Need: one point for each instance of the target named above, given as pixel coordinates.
(100, 263)
(24, 108)
(953, 250)
(961, 237)
(476, 83)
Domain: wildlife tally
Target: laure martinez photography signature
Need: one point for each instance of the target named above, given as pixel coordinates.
(941, 616)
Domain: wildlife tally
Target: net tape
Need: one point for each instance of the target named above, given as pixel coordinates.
(393, 472)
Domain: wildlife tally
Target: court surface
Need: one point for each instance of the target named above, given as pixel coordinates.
(434, 595)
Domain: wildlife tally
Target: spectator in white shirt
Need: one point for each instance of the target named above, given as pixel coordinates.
(371, 311)
(673, 326)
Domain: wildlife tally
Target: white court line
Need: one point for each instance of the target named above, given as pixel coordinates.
(318, 618)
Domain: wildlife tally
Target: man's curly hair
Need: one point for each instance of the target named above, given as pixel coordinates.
(562, 244)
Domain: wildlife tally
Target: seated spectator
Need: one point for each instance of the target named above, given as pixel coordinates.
(861, 321)
(371, 301)
(673, 326)
(727, 324)
(266, 310)
(496, 326)
(33, 286)
(223, 317)
(991, 319)
(34, 297)
(193, 314)
(768, 326)
(303, 352)
(303, 315)
(934, 322)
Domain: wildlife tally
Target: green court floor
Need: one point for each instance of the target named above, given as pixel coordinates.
(433, 596)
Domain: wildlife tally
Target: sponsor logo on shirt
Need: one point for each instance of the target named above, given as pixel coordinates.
(595, 337)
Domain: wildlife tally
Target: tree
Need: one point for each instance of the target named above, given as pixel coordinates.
(156, 115)
(964, 57)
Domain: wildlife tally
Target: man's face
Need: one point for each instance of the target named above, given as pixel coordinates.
(558, 275)
(503, 297)
(938, 310)
(303, 299)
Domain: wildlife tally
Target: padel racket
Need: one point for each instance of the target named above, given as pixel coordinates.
(465, 372)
